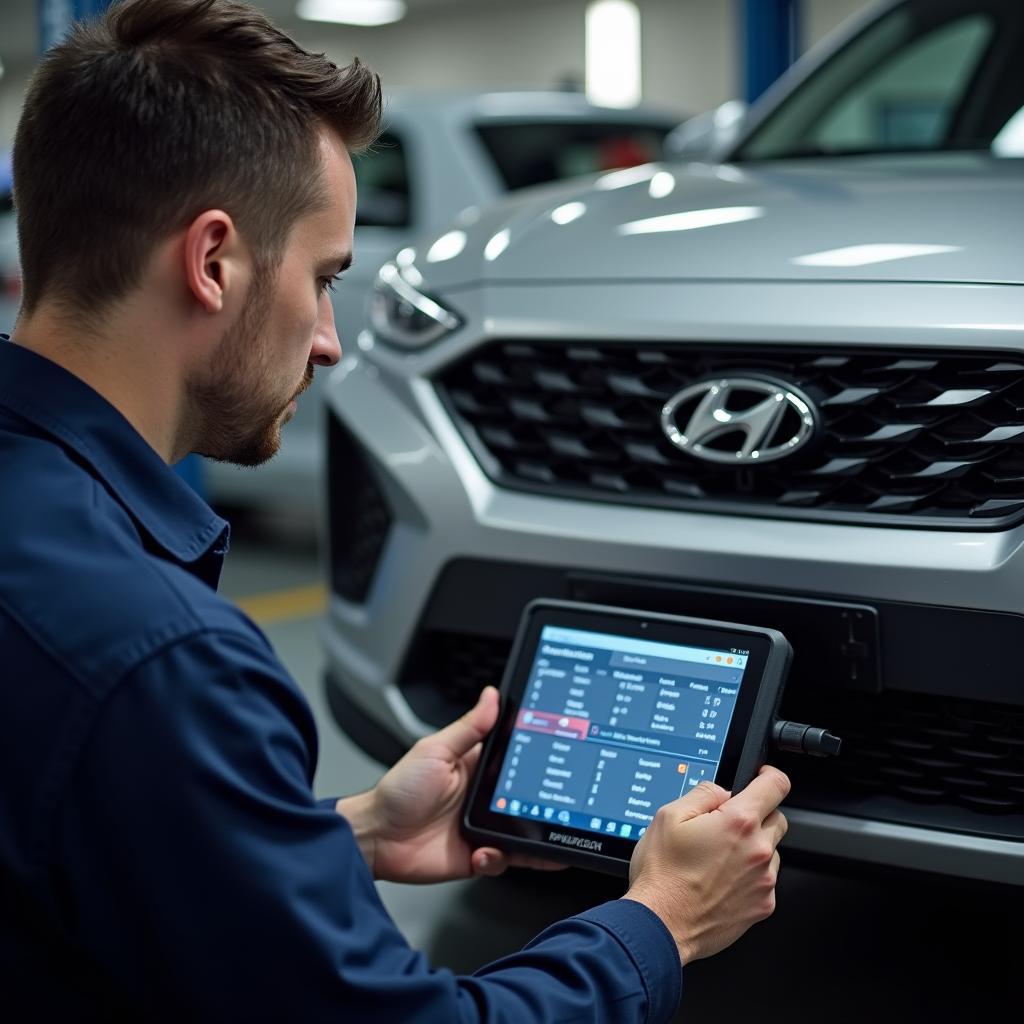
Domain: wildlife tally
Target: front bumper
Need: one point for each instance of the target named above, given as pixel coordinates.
(461, 557)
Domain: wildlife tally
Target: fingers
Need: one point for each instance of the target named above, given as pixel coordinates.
(472, 758)
(776, 825)
(764, 794)
(462, 735)
(702, 799)
(488, 861)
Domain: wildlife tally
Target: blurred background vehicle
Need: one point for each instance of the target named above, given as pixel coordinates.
(518, 424)
(439, 155)
(10, 272)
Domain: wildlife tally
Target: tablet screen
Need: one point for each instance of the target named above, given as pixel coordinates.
(611, 727)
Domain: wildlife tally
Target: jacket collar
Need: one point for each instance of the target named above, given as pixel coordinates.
(169, 512)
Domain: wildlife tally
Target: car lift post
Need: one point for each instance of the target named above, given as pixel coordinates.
(769, 42)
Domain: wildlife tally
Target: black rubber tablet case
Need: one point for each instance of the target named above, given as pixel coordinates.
(612, 854)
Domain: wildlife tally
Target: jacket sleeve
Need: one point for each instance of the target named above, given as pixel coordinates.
(202, 877)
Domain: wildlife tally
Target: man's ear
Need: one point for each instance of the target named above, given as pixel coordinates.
(214, 259)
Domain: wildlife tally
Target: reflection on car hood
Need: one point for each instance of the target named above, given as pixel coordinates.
(933, 218)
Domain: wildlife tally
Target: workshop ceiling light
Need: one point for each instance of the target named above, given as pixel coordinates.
(613, 53)
(352, 12)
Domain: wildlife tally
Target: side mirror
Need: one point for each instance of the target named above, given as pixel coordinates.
(707, 136)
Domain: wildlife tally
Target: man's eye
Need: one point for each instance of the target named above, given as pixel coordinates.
(328, 283)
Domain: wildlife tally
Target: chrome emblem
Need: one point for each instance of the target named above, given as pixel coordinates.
(739, 421)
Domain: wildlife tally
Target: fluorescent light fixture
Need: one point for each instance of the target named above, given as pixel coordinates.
(447, 247)
(497, 245)
(862, 255)
(568, 212)
(690, 220)
(662, 184)
(352, 12)
(613, 53)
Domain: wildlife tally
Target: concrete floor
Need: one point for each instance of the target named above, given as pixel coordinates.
(837, 949)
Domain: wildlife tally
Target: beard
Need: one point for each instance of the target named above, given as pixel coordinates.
(239, 406)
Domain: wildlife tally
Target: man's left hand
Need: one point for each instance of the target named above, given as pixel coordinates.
(408, 825)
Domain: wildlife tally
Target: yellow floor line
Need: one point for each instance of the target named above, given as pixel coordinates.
(282, 605)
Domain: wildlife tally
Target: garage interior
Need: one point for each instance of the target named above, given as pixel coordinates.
(848, 941)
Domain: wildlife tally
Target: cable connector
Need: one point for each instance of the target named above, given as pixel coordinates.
(805, 739)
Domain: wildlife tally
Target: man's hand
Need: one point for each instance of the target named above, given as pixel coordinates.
(707, 865)
(408, 825)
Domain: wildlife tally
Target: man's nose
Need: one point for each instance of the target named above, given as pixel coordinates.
(326, 347)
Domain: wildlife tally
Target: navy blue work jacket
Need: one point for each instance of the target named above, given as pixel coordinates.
(162, 855)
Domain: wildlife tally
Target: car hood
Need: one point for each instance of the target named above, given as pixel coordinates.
(929, 218)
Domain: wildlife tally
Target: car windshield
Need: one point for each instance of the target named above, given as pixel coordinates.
(929, 75)
(535, 152)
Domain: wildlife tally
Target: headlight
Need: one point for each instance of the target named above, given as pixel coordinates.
(402, 315)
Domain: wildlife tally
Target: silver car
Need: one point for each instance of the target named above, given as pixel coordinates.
(785, 388)
(10, 269)
(439, 155)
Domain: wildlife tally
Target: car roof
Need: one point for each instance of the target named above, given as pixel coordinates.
(530, 104)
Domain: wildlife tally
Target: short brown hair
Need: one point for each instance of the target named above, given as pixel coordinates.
(139, 121)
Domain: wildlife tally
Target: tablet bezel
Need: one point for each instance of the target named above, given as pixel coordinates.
(743, 753)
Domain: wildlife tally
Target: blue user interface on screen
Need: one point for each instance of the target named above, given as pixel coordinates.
(612, 727)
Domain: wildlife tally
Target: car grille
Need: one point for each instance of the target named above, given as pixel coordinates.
(359, 516)
(923, 749)
(934, 756)
(456, 667)
(905, 436)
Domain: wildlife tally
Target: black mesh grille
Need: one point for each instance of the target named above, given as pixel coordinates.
(923, 749)
(359, 516)
(456, 667)
(937, 754)
(904, 436)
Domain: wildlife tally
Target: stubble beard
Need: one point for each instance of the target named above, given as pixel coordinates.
(236, 419)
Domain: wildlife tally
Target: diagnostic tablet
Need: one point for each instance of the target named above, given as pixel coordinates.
(608, 713)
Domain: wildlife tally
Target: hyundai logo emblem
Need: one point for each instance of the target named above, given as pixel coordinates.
(739, 421)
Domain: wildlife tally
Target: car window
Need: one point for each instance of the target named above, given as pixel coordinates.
(909, 100)
(533, 153)
(382, 181)
(924, 76)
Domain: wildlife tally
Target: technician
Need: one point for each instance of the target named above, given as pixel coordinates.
(185, 199)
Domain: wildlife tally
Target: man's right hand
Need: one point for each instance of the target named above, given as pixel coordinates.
(707, 864)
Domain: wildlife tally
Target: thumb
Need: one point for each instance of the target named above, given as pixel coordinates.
(466, 732)
(701, 799)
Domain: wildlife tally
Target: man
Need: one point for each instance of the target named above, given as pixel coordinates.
(185, 199)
